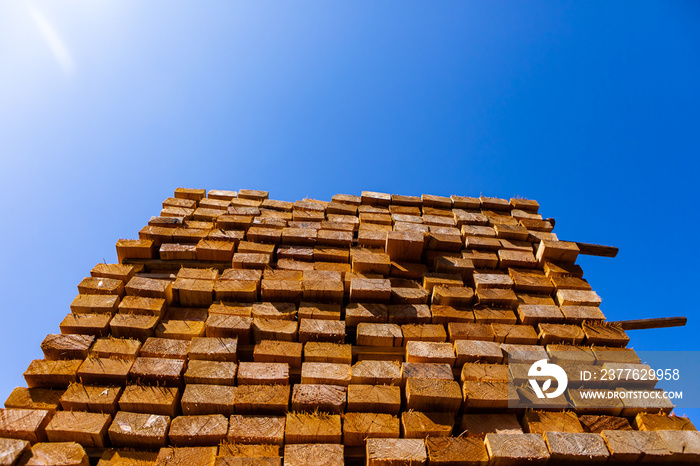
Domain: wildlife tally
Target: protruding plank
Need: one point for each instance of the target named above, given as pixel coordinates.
(198, 399)
(87, 429)
(396, 452)
(256, 429)
(512, 449)
(202, 430)
(132, 430)
(433, 395)
(312, 428)
(320, 454)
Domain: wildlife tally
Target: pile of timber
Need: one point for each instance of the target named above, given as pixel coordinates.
(240, 330)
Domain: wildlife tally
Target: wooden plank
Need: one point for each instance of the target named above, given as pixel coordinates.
(165, 348)
(24, 424)
(198, 399)
(496, 423)
(11, 450)
(319, 397)
(539, 422)
(87, 429)
(139, 327)
(376, 334)
(630, 446)
(417, 424)
(134, 430)
(376, 373)
(66, 346)
(488, 395)
(658, 322)
(262, 399)
(86, 324)
(647, 421)
(263, 373)
(245, 429)
(145, 399)
(157, 371)
(512, 449)
(599, 250)
(56, 454)
(454, 451)
(427, 351)
(34, 398)
(322, 454)
(95, 304)
(213, 349)
(433, 395)
(44, 373)
(326, 373)
(395, 452)
(374, 398)
(576, 448)
(312, 428)
(91, 398)
(202, 430)
(210, 372)
(683, 445)
(332, 331)
(357, 427)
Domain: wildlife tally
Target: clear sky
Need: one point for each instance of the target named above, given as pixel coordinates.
(591, 108)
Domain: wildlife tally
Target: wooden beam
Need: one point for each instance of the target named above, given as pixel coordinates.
(658, 322)
(599, 250)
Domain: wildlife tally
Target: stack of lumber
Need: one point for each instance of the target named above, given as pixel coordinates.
(242, 330)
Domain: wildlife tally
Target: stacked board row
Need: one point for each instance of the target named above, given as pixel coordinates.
(380, 328)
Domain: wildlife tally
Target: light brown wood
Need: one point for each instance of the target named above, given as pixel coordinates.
(322, 397)
(374, 398)
(56, 454)
(326, 373)
(203, 430)
(34, 398)
(511, 449)
(132, 430)
(144, 399)
(605, 335)
(198, 399)
(139, 327)
(312, 428)
(396, 452)
(647, 421)
(454, 451)
(491, 395)
(229, 326)
(86, 324)
(11, 450)
(433, 395)
(322, 454)
(376, 372)
(481, 424)
(576, 448)
(539, 422)
(375, 334)
(360, 426)
(210, 372)
(268, 329)
(245, 429)
(332, 331)
(91, 398)
(417, 424)
(95, 304)
(683, 445)
(263, 373)
(24, 424)
(157, 371)
(68, 346)
(629, 446)
(87, 429)
(477, 351)
(165, 348)
(44, 373)
(262, 399)
(213, 349)
(370, 290)
(327, 352)
(425, 351)
(559, 333)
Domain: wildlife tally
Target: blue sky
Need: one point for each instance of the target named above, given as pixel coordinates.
(592, 108)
